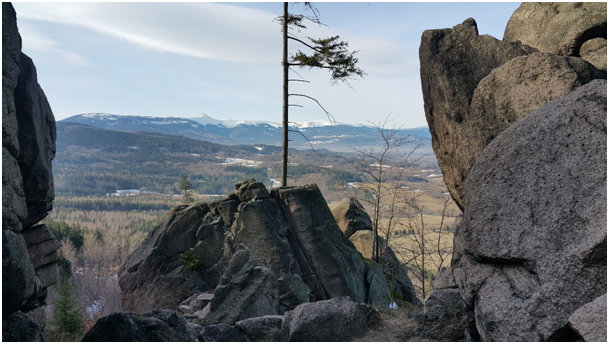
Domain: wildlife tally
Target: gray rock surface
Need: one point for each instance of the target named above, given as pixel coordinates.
(153, 275)
(220, 333)
(18, 274)
(443, 304)
(250, 189)
(160, 325)
(595, 52)
(18, 327)
(337, 265)
(260, 226)
(531, 248)
(261, 329)
(246, 290)
(590, 320)
(292, 292)
(453, 61)
(396, 275)
(28, 146)
(379, 291)
(512, 91)
(36, 141)
(336, 319)
(560, 28)
(350, 216)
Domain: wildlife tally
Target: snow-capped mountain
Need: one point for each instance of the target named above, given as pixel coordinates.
(320, 134)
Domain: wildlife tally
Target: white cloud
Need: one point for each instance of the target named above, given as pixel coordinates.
(33, 40)
(201, 30)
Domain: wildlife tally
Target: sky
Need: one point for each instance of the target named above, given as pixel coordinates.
(185, 59)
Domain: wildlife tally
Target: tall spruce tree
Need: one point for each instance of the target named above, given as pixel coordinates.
(68, 317)
(324, 53)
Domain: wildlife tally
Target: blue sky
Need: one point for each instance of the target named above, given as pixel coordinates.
(223, 59)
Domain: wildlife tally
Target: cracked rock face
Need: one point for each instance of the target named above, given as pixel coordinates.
(531, 248)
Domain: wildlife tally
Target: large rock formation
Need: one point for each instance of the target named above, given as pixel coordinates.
(356, 225)
(555, 27)
(453, 61)
(28, 146)
(531, 247)
(523, 149)
(331, 257)
(263, 253)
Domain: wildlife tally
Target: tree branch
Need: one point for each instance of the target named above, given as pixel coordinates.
(330, 117)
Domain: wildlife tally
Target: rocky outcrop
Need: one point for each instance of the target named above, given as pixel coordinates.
(590, 320)
(157, 326)
(555, 27)
(453, 61)
(154, 275)
(531, 248)
(28, 146)
(336, 264)
(350, 216)
(246, 290)
(337, 319)
(275, 250)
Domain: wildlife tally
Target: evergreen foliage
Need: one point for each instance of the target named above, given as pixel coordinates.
(186, 190)
(190, 260)
(62, 230)
(68, 318)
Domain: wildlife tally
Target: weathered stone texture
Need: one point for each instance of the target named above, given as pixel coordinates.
(557, 27)
(531, 248)
(337, 319)
(453, 61)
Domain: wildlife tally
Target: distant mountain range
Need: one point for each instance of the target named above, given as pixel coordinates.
(321, 135)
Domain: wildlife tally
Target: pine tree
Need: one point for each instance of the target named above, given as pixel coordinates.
(67, 315)
(324, 53)
(186, 190)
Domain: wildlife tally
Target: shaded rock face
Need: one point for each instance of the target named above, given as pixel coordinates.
(28, 146)
(453, 61)
(350, 216)
(246, 290)
(337, 266)
(154, 275)
(157, 326)
(531, 248)
(261, 329)
(337, 319)
(18, 327)
(559, 28)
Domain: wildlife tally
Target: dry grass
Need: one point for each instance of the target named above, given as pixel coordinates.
(395, 326)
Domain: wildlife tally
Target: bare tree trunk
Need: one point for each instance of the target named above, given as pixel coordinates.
(284, 62)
